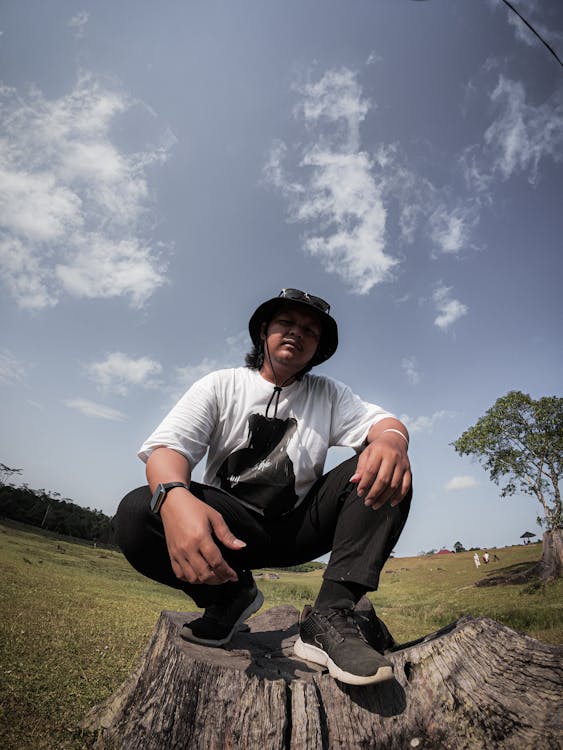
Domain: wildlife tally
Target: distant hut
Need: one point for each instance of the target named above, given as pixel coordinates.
(444, 552)
(526, 536)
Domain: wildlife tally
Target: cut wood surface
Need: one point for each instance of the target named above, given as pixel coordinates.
(475, 684)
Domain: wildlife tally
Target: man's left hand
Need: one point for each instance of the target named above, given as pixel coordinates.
(383, 474)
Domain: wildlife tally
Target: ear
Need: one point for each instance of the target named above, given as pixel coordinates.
(263, 331)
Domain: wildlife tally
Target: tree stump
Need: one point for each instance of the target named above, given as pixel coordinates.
(551, 563)
(475, 684)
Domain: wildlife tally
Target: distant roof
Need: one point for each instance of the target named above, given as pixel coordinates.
(444, 552)
(526, 535)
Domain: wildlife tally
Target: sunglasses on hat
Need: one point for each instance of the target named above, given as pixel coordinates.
(299, 296)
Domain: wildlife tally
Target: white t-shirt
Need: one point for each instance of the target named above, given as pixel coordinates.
(269, 463)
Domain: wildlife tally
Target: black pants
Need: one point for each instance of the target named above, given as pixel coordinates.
(331, 517)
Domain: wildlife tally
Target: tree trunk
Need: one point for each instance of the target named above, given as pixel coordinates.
(474, 684)
(551, 563)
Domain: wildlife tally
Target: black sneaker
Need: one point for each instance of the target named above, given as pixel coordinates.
(332, 638)
(221, 621)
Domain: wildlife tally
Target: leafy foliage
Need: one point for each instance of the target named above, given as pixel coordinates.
(6, 472)
(46, 510)
(519, 441)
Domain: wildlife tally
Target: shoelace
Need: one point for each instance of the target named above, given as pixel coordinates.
(346, 623)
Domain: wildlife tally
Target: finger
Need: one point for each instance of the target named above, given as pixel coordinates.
(379, 490)
(212, 580)
(390, 494)
(364, 461)
(224, 534)
(386, 498)
(397, 490)
(357, 475)
(405, 487)
(184, 571)
(204, 572)
(378, 502)
(369, 477)
(217, 563)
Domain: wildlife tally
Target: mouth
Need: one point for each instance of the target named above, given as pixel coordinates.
(293, 344)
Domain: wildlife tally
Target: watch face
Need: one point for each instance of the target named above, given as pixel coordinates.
(158, 497)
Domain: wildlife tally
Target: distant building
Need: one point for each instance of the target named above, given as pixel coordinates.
(444, 552)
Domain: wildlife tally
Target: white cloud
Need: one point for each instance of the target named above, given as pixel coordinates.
(339, 193)
(344, 198)
(73, 207)
(460, 483)
(77, 23)
(337, 99)
(425, 424)
(410, 368)
(475, 169)
(12, 369)
(451, 229)
(524, 134)
(449, 310)
(36, 207)
(373, 58)
(93, 409)
(25, 276)
(118, 372)
(275, 173)
(101, 268)
(356, 205)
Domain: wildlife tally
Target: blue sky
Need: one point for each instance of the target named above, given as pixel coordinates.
(164, 168)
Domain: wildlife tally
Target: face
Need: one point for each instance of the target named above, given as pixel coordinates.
(293, 336)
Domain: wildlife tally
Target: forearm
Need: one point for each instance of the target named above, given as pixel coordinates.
(191, 527)
(167, 465)
(389, 423)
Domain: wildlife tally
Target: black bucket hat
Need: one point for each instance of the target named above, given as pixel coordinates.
(329, 334)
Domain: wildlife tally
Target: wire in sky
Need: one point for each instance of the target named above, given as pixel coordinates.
(542, 40)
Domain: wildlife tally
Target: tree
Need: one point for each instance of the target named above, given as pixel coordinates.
(521, 440)
(458, 547)
(6, 473)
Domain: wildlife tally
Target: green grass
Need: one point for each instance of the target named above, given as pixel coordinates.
(75, 619)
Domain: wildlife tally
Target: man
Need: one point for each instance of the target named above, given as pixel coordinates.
(264, 501)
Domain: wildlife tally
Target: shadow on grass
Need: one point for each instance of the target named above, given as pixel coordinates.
(526, 572)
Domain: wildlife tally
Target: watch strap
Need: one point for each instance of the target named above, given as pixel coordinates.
(160, 494)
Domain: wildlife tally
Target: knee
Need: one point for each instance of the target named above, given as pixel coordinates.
(129, 525)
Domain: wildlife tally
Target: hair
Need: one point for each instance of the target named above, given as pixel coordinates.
(254, 358)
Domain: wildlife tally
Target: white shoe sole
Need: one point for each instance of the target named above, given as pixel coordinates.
(253, 607)
(318, 656)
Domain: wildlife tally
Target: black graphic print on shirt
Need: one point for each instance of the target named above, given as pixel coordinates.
(262, 473)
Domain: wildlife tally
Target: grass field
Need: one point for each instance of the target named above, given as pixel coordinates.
(75, 619)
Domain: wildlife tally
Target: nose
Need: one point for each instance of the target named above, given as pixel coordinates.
(296, 330)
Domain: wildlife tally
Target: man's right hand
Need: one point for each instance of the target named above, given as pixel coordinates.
(189, 527)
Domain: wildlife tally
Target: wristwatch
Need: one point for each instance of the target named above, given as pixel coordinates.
(160, 494)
